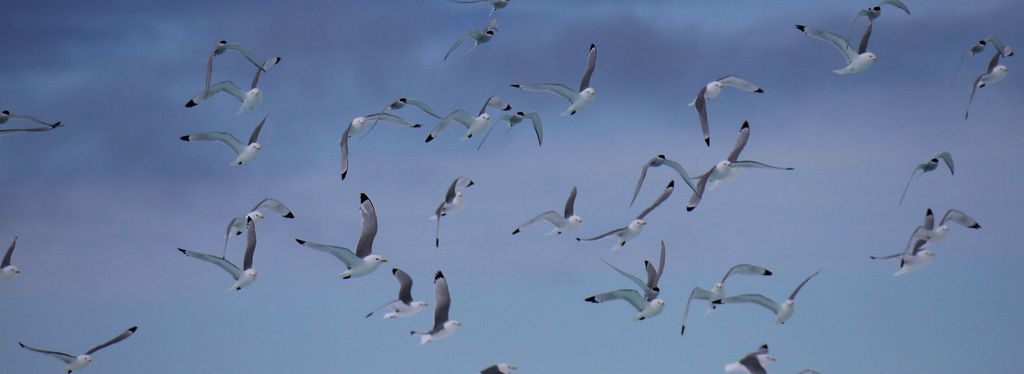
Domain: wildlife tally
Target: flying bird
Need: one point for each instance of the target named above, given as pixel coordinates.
(656, 161)
(452, 203)
(358, 125)
(782, 311)
(995, 73)
(874, 12)
(916, 255)
(717, 291)
(443, 327)
(479, 37)
(474, 125)
(82, 360)
(753, 362)
(636, 227)
(238, 224)
(404, 306)
(243, 153)
(495, 4)
(975, 49)
(400, 103)
(650, 286)
(361, 262)
(223, 46)
(244, 276)
(728, 169)
(514, 119)
(8, 271)
(938, 233)
(577, 100)
(929, 166)
(502, 368)
(711, 91)
(564, 222)
(645, 309)
(857, 61)
(249, 99)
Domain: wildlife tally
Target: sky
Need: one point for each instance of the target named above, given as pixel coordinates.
(100, 206)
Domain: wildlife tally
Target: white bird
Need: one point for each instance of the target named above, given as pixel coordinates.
(711, 91)
(243, 153)
(474, 125)
(443, 327)
(727, 169)
(479, 37)
(577, 100)
(995, 73)
(82, 360)
(495, 4)
(717, 291)
(502, 368)
(645, 309)
(938, 233)
(975, 49)
(915, 256)
(404, 306)
(650, 287)
(514, 119)
(8, 271)
(453, 202)
(753, 362)
(358, 125)
(857, 61)
(6, 115)
(244, 276)
(565, 222)
(361, 262)
(637, 225)
(223, 46)
(874, 12)
(238, 224)
(929, 166)
(400, 103)
(656, 161)
(249, 99)
(782, 311)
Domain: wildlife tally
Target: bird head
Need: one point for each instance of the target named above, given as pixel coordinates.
(485, 116)
(575, 220)
(589, 91)
(358, 122)
(419, 304)
(255, 146)
(251, 273)
(872, 56)
(256, 215)
(376, 259)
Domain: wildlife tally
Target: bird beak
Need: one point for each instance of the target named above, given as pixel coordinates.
(384, 260)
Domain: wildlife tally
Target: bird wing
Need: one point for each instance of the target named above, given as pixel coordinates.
(741, 142)
(250, 245)
(442, 301)
(404, 285)
(961, 218)
(365, 245)
(738, 82)
(797, 290)
(612, 232)
(255, 136)
(124, 335)
(550, 216)
(664, 196)
(342, 253)
(555, 88)
(864, 39)
(682, 173)
(631, 277)
(700, 104)
(948, 159)
(58, 355)
(344, 151)
(640, 182)
(838, 41)
(697, 293)
(757, 165)
(538, 128)
(223, 137)
(7, 255)
(630, 296)
(701, 185)
(896, 3)
(275, 206)
(754, 299)
(221, 262)
(570, 204)
(746, 269)
(423, 106)
(589, 71)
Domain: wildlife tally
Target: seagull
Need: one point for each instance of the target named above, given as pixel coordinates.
(515, 119)
(502, 368)
(453, 202)
(782, 311)
(8, 271)
(244, 276)
(657, 161)
(477, 36)
(995, 73)
(874, 12)
(970, 52)
(362, 262)
(223, 46)
(405, 306)
(495, 4)
(931, 165)
(400, 103)
(577, 100)
(717, 292)
(711, 91)
(358, 124)
(249, 99)
(245, 153)
(565, 222)
(915, 256)
(938, 233)
(727, 169)
(238, 224)
(443, 327)
(650, 287)
(82, 360)
(473, 125)
(753, 362)
(33, 129)
(645, 309)
(857, 61)
(636, 227)
(6, 115)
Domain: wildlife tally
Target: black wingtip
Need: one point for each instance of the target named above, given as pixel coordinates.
(182, 250)
(515, 232)
(975, 226)
(759, 90)
(671, 184)
(429, 138)
(707, 141)
(300, 241)
(801, 28)
(363, 197)
(592, 45)
(717, 302)
(289, 215)
(929, 212)
(133, 328)
(690, 208)
(746, 125)
(507, 107)
(874, 258)
(470, 136)
(578, 239)
(682, 331)
(437, 243)
(416, 125)
(191, 103)
(394, 270)
(184, 137)
(344, 174)
(438, 275)
(248, 220)
(591, 299)
(55, 125)
(767, 272)
(22, 345)
(412, 333)
(515, 85)
(572, 113)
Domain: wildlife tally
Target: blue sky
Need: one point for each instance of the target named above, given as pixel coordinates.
(100, 206)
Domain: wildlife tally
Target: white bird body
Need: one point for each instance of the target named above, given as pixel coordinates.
(9, 272)
(785, 311)
(248, 276)
(401, 310)
(997, 74)
(456, 205)
(653, 308)
(570, 224)
(911, 262)
(478, 125)
(582, 100)
(248, 154)
(80, 362)
(578, 100)
(860, 63)
(369, 264)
